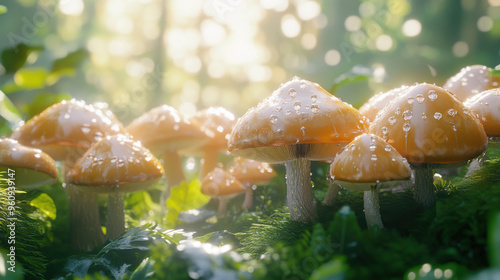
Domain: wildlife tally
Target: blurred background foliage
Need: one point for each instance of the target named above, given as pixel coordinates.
(137, 54)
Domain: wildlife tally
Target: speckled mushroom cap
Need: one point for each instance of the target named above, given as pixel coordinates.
(368, 160)
(115, 163)
(377, 102)
(251, 171)
(486, 106)
(216, 123)
(220, 183)
(68, 124)
(163, 129)
(427, 124)
(299, 120)
(33, 168)
(471, 80)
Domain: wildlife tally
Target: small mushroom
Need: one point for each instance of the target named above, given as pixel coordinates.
(65, 131)
(113, 166)
(470, 81)
(251, 173)
(486, 106)
(369, 164)
(428, 126)
(298, 123)
(223, 185)
(164, 131)
(33, 168)
(216, 123)
(377, 102)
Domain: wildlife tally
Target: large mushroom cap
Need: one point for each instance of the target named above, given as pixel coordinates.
(368, 159)
(470, 81)
(163, 129)
(66, 124)
(251, 171)
(33, 168)
(220, 183)
(115, 160)
(428, 124)
(377, 102)
(486, 106)
(299, 112)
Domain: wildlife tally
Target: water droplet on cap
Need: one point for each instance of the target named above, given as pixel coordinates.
(438, 115)
(392, 120)
(452, 112)
(406, 126)
(407, 115)
(292, 92)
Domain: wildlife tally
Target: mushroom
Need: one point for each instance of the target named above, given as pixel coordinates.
(251, 173)
(369, 164)
(216, 123)
(377, 102)
(33, 168)
(115, 165)
(428, 126)
(65, 131)
(486, 106)
(221, 184)
(164, 131)
(471, 80)
(299, 122)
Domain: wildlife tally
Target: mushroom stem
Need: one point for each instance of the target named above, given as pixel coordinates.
(372, 207)
(247, 203)
(300, 198)
(424, 185)
(221, 212)
(85, 225)
(332, 194)
(209, 161)
(172, 164)
(116, 215)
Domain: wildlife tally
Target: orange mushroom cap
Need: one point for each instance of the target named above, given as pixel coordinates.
(486, 106)
(115, 160)
(66, 124)
(33, 168)
(251, 171)
(164, 129)
(377, 102)
(217, 123)
(427, 124)
(299, 112)
(369, 159)
(220, 183)
(470, 81)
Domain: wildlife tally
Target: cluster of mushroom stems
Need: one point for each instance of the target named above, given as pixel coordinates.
(420, 126)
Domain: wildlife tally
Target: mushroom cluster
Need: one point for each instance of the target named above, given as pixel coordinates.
(471, 80)
(298, 123)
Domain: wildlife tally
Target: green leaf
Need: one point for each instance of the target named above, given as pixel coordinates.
(344, 227)
(13, 59)
(355, 75)
(8, 111)
(494, 239)
(45, 204)
(3, 9)
(42, 101)
(183, 197)
(332, 270)
(31, 78)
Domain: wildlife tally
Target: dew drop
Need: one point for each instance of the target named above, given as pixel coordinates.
(303, 129)
(314, 98)
(374, 157)
(407, 115)
(392, 120)
(432, 95)
(288, 112)
(292, 92)
(452, 112)
(86, 130)
(372, 147)
(176, 127)
(273, 119)
(66, 116)
(385, 130)
(278, 109)
(424, 117)
(406, 127)
(438, 115)
(296, 106)
(410, 100)
(280, 132)
(387, 148)
(398, 111)
(303, 85)
(295, 78)
(315, 109)
(420, 98)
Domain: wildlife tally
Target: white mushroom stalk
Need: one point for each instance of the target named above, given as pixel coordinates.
(298, 123)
